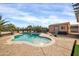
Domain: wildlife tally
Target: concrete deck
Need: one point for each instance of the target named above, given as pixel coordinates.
(62, 47)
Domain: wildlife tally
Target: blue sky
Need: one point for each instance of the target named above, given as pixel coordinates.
(42, 14)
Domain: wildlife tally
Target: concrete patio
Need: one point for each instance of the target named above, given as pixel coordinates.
(62, 47)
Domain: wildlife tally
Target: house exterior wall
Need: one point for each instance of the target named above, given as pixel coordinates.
(62, 27)
(74, 28)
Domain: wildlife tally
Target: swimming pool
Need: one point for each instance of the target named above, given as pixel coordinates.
(32, 38)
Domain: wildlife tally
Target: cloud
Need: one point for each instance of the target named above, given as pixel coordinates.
(38, 14)
(11, 11)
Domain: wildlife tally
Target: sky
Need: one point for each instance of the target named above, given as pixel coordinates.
(42, 14)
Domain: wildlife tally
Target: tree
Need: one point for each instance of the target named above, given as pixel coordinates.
(22, 29)
(11, 28)
(44, 29)
(37, 28)
(2, 24)
(17, 29)
(29, 28)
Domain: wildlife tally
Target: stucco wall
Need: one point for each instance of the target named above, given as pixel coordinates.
(62, 27)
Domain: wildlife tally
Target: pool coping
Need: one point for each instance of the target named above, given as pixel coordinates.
(34, 45)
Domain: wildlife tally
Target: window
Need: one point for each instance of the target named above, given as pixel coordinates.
(62, 27)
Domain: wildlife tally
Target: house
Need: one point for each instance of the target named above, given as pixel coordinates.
(61, 28)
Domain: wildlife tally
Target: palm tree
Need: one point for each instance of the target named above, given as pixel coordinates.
(2, 24)
(11, 28)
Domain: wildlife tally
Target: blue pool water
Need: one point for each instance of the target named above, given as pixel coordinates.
(32, 38)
